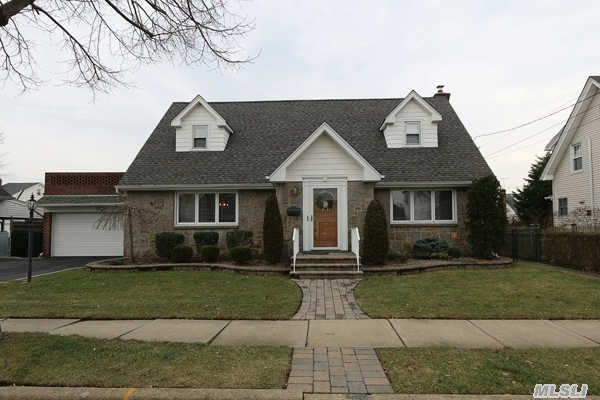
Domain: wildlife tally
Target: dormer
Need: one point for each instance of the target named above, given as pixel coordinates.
(198, 127)
(412, 123)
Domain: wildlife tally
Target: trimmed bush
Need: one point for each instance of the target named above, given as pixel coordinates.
(424, 248)
(209, 253)
(272, 231)
(237, 238)
(182, 253)
(578, 250)
(204, 238)
(165, 242)
(486, 216)
(375, 234)
(454, 252)
(241, 254)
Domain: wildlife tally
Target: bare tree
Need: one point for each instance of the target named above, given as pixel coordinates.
(103, 38)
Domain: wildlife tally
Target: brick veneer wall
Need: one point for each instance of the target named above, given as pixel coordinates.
(290, 194)
(81, 183)
(455, 234)
(47, 234)
(149, 213)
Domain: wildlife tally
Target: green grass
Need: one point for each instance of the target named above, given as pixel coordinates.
(489, 371)
(160, 294)
(47, 360)
(519, 292)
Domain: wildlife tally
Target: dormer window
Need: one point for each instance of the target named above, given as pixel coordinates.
(577, 157)
(413, 132)
(200, 133)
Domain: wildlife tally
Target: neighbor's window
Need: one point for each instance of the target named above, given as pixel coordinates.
(206, 208)
(200, 133)
(413, 132)
(563, 207)
(422, 206)
(577, 157)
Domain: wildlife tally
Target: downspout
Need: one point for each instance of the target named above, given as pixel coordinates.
(591, 175)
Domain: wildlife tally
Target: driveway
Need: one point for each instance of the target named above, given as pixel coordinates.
(16, 268)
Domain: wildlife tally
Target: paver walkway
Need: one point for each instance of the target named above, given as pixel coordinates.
(328, 299)
(337, 370)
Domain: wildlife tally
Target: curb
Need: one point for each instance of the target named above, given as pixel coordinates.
(79, 393)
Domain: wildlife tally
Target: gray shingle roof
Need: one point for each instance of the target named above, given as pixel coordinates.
(15, 187)
(80, 200)
(267, 132)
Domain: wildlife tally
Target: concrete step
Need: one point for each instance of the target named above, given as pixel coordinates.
(325, 274)
(326, 266)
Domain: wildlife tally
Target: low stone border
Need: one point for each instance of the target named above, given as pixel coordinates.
(107, 266)
(417, 266)
(413, 266)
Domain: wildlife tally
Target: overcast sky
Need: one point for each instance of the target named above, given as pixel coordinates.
(505, 63)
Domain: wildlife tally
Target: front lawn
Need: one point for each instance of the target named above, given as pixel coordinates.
(519, 292)
(145, 295)
(503, 371)
(48, 360)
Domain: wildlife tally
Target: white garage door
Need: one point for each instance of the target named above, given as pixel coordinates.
(79, 235)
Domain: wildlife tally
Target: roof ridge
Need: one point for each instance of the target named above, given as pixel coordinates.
(302, 100)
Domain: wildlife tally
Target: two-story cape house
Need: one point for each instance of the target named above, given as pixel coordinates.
(211, 166)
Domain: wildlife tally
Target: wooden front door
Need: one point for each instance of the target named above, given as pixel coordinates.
(325, 211)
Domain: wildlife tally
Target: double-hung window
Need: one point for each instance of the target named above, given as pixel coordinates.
(199, 136)
(577, 157)
(413, 132)
(204, 208)
(423, 206)
(563, 207)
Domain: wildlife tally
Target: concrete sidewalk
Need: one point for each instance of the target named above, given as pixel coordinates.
(60, 393)
(322, 333)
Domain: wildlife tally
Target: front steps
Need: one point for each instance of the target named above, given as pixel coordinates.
(335, 265)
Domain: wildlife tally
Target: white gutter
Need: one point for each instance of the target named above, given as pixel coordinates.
(193, 187)
(425, 184)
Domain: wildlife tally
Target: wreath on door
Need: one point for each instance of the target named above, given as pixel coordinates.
(325, 200)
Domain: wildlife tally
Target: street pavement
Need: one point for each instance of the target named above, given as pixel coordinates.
(14, 268)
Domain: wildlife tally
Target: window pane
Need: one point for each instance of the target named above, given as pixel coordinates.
(199, 142)
(577, 150)
(413, 139)
(200, 131)
(443, 205)
(422, 206)
(226, 207)
(186, 207)
(206, 207)
(413, 127)
(401, 206)
(578, 163)
(563, 207)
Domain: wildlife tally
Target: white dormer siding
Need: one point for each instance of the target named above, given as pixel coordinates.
(207, 122)
(411, 115)
(395, 134)
(199, 116)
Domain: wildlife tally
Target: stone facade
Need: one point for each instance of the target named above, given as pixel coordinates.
(455, 234)
(148, 213)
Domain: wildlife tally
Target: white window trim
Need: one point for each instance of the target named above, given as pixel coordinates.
(433, 221)
(194, 148)
(206, 224)
(406, 133)
(558, 207)
(573, 170)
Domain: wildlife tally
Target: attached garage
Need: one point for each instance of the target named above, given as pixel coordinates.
(81, 234)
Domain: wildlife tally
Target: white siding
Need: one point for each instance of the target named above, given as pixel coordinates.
(76, 234)
(324, 157)
(395, 135)
(576, 186)
(217, 136)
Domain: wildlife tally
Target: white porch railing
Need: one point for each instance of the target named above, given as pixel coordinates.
(355, 245)
(296, 247)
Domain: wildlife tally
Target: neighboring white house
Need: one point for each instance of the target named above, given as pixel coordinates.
(574, 166)
(23, 190)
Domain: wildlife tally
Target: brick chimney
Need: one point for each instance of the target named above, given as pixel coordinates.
(440, 92)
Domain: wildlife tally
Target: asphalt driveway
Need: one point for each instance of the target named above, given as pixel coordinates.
(16, 268)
